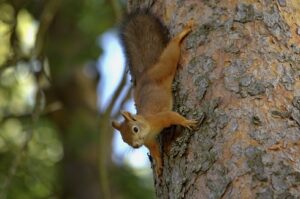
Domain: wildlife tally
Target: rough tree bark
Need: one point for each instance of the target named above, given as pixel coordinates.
(239, 74)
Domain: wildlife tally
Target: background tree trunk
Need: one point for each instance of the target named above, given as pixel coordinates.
(239, 74)
(54, 140)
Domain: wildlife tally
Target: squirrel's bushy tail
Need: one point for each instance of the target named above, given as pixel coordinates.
(143, 37)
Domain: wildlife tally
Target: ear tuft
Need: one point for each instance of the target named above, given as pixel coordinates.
(116, 125)
(127, 116)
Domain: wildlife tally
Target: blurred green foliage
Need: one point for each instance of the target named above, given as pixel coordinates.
(130, 185)
(48, 127)
(37, 175)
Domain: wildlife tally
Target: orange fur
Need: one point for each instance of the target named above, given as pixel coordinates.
(153, 98)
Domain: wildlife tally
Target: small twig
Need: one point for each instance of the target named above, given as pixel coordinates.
(116, 94)
(12, 62)
(103, 170)
(121, 106)
(46, 20)
(11, 173)
(116, 9)
(55, 106)
(11, 116)
(15, 48)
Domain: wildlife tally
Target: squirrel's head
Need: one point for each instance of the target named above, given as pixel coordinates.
(133, 129)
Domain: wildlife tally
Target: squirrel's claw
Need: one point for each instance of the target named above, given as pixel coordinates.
(190, 124)
(190, 24)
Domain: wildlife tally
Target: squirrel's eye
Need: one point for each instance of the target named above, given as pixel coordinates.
(135, 129)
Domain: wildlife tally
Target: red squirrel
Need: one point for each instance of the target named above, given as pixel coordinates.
(152, 61)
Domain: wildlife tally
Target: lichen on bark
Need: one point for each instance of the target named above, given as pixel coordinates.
(239, 75)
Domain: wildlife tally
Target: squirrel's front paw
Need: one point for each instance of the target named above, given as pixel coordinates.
(190, 124)
(190, 24)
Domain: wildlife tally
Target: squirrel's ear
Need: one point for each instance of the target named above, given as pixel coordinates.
(127, 116)
(116, 125)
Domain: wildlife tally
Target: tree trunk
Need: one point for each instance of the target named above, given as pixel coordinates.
(238, 74)
(77, 120)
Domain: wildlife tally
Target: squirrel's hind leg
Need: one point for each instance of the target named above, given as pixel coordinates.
(155, 154)
(186, 30)
(167, 63)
